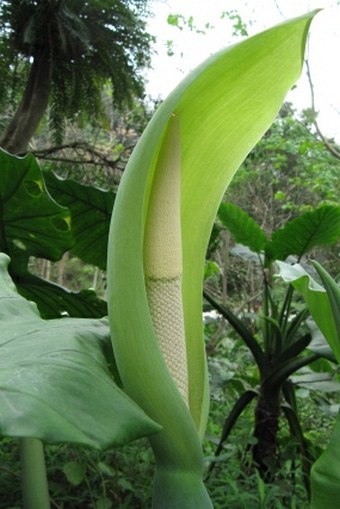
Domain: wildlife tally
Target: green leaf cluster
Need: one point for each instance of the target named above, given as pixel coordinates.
(278, 338)
(32, 223)
(299, 236)
(288, 172)
(58, 375)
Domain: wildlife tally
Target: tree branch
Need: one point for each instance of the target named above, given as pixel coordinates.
(97, 157)
(331, 148)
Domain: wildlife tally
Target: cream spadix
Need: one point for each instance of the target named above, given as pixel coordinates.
(163, 258)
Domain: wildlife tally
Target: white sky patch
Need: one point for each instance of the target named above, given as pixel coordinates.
(191, 48)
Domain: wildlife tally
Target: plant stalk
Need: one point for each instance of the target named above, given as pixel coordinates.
(34, 477)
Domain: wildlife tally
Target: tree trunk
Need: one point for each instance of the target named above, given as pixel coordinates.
(61, 268)
(32, 106)
(266, 429)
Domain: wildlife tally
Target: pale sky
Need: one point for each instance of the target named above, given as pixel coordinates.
(191, 48)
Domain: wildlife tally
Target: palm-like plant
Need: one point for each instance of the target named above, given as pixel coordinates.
(69, 49)
(279, 344)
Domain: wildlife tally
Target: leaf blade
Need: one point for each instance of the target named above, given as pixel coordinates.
(243, 227)
(325, 473)
(300, 235)
(55, 384)
(31, 220)
(91, 210)
(317, 301)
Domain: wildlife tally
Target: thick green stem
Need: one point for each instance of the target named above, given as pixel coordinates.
(34, 478)
(179, 490)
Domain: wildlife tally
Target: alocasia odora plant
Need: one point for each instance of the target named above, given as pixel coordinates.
(164, 211)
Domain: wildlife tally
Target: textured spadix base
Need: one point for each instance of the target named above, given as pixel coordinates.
(179, 490)
(165, 301)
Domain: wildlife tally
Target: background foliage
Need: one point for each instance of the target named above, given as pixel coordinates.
(288, 173)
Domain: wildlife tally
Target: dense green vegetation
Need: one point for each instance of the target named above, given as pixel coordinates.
(266, 369)
(121, 477)
(61, 54)
(289, 171)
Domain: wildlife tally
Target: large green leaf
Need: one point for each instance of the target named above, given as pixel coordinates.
(201, 132)
(297, 237)
(317, 301)
(325, 474)
(333, 292)
(30, 219)
(243, 227)
(54, 381)
(32, 223)
(91, 210)
(55, 301)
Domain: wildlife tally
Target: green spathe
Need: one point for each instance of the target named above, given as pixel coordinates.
(223, 108)
(189, 491)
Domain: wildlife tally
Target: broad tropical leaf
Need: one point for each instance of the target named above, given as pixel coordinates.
(242, 227)
(326, 470)
(55, 384)
(34, 224)
(317, 301)
(333, 292)
(55, 301)
(31, 220)
(91, 211)
(297, 237)
(325, 474)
